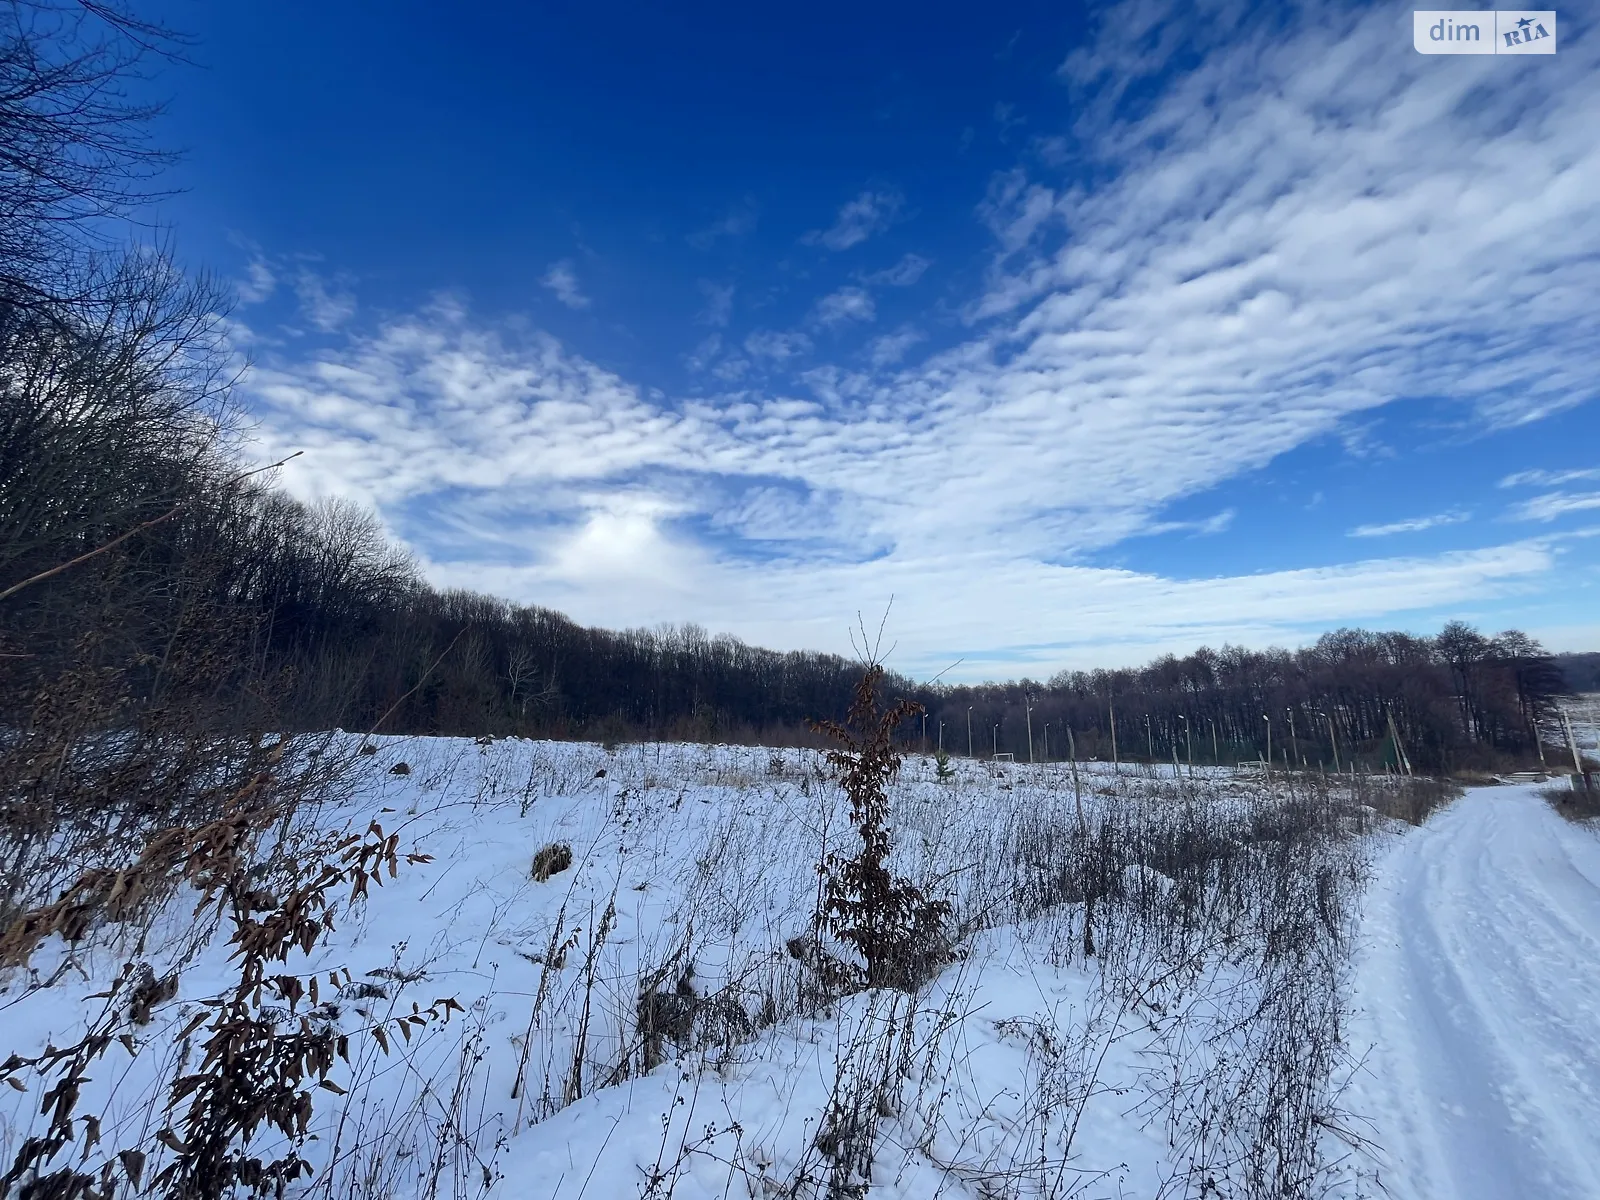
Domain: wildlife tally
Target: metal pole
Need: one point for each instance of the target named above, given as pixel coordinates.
(1116, 763)
(1077, 791)
(969, 731)
(1268, 720)
(1404, 761)
(1572, 743)
(997, 739)
(1028, 712)
(1149, 738)
(1333, 740)
(1216, 755)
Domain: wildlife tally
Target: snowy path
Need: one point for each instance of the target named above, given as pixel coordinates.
(1480, 980)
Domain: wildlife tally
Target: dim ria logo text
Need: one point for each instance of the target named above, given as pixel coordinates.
(1520, 31)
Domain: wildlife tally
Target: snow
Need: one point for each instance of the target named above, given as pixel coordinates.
(697, 854)
(1479, 980)
(1026, 1072)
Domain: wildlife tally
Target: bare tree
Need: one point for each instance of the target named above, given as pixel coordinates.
(75, 149)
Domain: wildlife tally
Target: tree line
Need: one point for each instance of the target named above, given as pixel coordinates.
(1457, 701)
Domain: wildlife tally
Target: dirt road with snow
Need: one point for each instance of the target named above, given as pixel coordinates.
(1479, 984)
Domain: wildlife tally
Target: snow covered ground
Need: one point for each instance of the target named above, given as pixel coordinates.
(1479, 987)
(1188, 1055)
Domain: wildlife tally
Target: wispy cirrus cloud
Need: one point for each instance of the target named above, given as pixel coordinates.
(1546, 478)
(1410, 524)
(260, 281)
(327, 303)
(869, 213)
(1555, 504)
(736, 223)
(904, 273)
(562, 281)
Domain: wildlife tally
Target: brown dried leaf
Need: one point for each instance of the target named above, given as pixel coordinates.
(133, 1163)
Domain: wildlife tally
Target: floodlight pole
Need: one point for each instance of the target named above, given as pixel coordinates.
(997, 739)
(1188, 743)
(969, 731)
(1028, 713)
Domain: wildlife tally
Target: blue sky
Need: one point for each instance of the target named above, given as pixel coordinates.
(1086, 333)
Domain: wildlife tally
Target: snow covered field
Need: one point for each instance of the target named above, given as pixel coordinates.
(644, 1022)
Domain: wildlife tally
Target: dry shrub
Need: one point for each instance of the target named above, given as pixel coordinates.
(1413, 799)
(251, 1073)
(551, 860)
(1575, 804)
(897, 930)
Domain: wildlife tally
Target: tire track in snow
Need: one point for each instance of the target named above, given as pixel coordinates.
(1479, 985)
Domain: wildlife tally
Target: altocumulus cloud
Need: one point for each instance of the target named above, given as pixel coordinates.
(1308, 224)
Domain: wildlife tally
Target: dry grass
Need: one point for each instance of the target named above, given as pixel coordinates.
(1574, 804)
(551, 860)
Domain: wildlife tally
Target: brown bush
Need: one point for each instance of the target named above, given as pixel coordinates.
(551, 860)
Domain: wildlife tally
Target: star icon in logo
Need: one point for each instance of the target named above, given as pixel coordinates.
(1524, 23)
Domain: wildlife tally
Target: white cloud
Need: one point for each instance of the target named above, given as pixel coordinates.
(516, 450)
(327, 304)
(735, 224)
(1410, 524)
(1312, 223)
(1555, 504)
(903, 274)
(562, 280)
(259, 283)
(779, 347)
(846, 304)
(1540, 478)
(1216, 523)
(869, 213)
(705, 354)
(892, 347)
